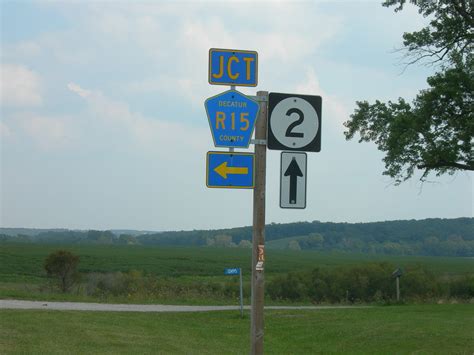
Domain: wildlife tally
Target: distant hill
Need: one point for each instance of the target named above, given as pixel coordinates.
(433, 236)
(133, 232)
(31, 232)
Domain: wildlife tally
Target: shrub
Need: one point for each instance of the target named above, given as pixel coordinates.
(291, 287)
(115, 284)
(62, 264)
(462, 287)
(366, 283)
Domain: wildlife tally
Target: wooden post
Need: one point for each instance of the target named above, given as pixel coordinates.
(398, 288)
(258, 236)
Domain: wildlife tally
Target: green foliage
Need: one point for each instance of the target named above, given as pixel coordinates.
(463, 287)
(449, 35)
(221, 241)
(135, 286)
(424, 237)
(62, 265)
(418, 283)
(436, 131)
(428, 237)
(366, 283)
(294, 245)
(247, 244)
(292, 286)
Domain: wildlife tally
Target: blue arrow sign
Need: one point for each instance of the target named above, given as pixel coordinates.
(232, 271)
(230, 170)
(233, 67)
(232, 117)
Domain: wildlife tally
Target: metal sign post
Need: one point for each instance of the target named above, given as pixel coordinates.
(396, 274)
(258, 237)
(241, 294)
(237, 271)
(282, 122)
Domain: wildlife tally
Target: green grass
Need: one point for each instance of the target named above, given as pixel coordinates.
(24, 262)
(426, 329)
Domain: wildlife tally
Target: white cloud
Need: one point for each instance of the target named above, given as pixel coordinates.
(167, 36)
(20, 86)
(47, 132)
(148, 133)
(334, 110)
(78, 90)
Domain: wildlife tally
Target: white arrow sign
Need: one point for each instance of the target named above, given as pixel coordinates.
(293, 180)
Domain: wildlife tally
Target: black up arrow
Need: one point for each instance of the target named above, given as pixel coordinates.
(293, 171)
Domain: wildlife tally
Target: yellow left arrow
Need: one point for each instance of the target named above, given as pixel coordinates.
(223, 170)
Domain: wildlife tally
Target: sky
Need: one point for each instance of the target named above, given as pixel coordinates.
(103, 124)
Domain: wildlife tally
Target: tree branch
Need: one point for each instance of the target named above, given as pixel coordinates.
(461, 10)
(443, 164)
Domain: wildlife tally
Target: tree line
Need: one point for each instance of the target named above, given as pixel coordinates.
(434, 236)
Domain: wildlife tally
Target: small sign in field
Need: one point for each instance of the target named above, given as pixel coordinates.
(232, 271)
(237, 271)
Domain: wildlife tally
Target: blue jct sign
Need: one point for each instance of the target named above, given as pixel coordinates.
(233, 67)
(230, 170)
(232, 117)
(232, 271)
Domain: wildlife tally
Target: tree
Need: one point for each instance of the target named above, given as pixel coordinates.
(294, 245)
(436, 132)
(245, 244)
(62, 264)
(223, 241)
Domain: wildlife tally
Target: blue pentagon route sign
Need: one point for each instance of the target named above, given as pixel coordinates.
(232, 117)
(233, 67)
(230, 170)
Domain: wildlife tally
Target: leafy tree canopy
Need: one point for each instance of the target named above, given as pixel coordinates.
(435, 132)
(62, 264)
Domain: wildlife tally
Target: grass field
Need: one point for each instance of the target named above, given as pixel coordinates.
(426, 329)
(22, 275)
(24, 262)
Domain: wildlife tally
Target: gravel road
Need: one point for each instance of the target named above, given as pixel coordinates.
(104, 307)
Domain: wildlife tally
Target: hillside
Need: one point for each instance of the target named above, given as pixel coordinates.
(434, 236)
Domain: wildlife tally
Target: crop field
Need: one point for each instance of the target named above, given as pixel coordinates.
(427, 329)
(182, 275)
(23, 262)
